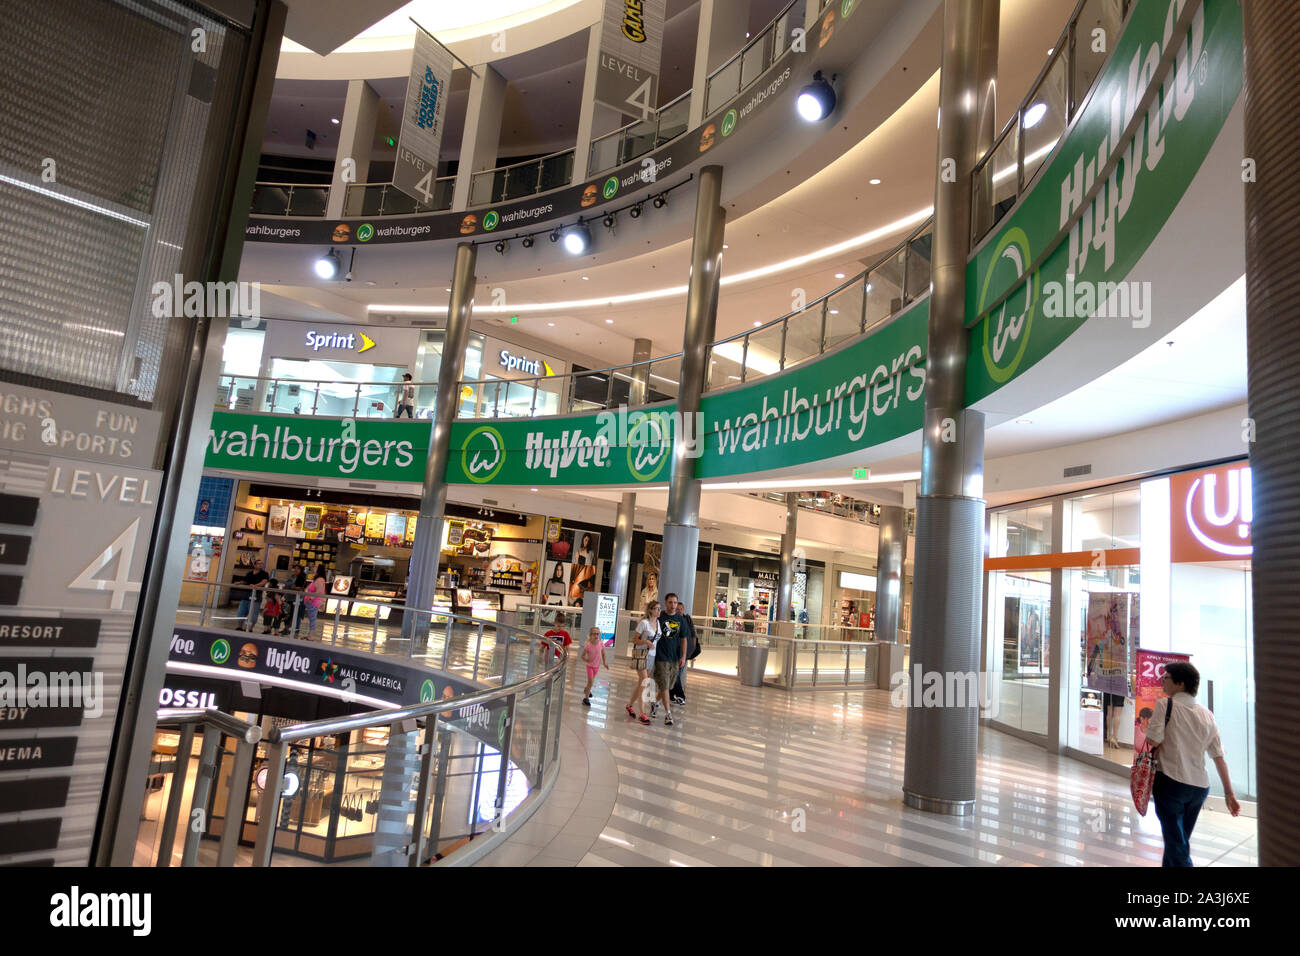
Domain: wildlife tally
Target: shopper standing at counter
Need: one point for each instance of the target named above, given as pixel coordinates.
(319, 585)
(249, 602)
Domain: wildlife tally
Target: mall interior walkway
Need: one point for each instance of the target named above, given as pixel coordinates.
(725, 784)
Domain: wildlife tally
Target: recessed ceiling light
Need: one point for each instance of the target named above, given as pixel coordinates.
(757, 324)
(446, 290)
(334, 120)
(551, 324)
(609, 321)
(532, 489)
(586, 278)
(839, 275)
(725, 246)
(835, 311)
(874, 182)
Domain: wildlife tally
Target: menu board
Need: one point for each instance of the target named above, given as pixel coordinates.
(395, 530)
(297, 514)
(311, 521)
(278, 522)
(410, 531)
(375, 523)
(356, 527)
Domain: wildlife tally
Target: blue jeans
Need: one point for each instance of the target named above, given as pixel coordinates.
(1177, 806)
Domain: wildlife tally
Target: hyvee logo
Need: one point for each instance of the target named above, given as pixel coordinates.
(1009, 337)
(1212, 513)
(75, 909)
(282, 661)
(572, 448)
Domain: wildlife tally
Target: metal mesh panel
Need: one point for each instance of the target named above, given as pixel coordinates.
(1273, 349)
(943, 741)
(108, 112)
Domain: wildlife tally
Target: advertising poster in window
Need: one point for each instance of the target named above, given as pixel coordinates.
(1107, 643)
(1033, 626)
(1150, 676)
(409, 537)
(278, 523)
(297, 520)
(650, 574)
(555, 583)
(312, 521)
(588, 547)
(375, 523)
(395, 530)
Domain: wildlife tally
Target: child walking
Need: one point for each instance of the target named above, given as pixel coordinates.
(593, 655)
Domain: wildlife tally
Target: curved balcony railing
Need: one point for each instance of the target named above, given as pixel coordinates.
(517, 180)
(613, 149)
(310, 774)
(753, 59)
(1007, 170)
(289, 199)
(364, 200)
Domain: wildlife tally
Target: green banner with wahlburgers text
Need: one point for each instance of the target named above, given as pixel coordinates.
(362, 448)
(1154, 170)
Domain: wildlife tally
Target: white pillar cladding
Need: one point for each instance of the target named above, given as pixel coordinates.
(356, 140)
(478, 145)
(722, 33)
(594, 119)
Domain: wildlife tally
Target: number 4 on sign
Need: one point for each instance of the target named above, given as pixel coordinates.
(123, 550)
(425, 186)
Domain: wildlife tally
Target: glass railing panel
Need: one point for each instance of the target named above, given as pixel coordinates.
(238, 393)
(551, 394)
(397, 203)
(556, 171)
(443, 189)
(354, 200)
(481, 188)
(664, 378)
(270, 200)
(339, 400)
(803, 336)
(521, 180)
(723, 85)
(518, 400)
(756, 59)
(885, 289)
(308, 200)
(292, 398)
(1085, 61)
(724, 364)
(919, 251)
(844, 315)
(604, 153)
(1044, 118)
(673, 120)
(994, 186)
(764, 355)
(377, 400)
(638, 139)
(590, 390)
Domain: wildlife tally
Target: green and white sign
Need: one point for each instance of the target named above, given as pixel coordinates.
(1154, 170)
(383, 450)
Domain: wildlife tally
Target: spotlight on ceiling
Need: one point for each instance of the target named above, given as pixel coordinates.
(577, 238)
(501, 246)
(555, 234)
(816, 100)
(527, 242)
(661, 200)
(610, 220)
(329, 265)
(635, 211)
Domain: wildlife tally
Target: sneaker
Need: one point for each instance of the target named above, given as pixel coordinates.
(586, 702)
(668, 720)
(654, 709)
(644, 719)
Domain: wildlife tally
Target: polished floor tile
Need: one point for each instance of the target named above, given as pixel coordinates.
(758, 777)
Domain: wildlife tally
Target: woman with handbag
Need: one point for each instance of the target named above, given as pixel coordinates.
(1182, 733)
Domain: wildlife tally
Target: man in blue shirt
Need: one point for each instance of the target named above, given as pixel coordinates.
(679, 623)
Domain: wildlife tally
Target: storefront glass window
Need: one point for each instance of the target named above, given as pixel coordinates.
(333, 389)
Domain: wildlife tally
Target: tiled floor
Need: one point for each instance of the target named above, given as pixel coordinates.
(756, 776)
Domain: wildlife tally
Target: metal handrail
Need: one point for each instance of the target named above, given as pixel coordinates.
(175, 717)
(750, 44)
(524, 162)
(654, 117)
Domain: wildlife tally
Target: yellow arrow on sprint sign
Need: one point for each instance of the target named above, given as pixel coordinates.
(366, 342)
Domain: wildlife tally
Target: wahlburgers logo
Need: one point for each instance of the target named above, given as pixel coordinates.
(1005, 338)
(426, 692)
(491, 221)
(846, 7)
(647, 448)
(220, 651)
(483, 455)
(728, 122)
(365, 232)
(610, 189)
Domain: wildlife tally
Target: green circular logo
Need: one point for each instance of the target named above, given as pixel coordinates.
(728, 122)
(610, 189)
(426, 692)
(483, 455)
(365, 232)
(501, 727)
(220, 651)
(491, 221)
(1008, 336)
(648, 446)
(846, 7)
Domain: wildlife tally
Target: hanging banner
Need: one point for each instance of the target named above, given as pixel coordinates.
(1108, 642)
(422, 119)
(1150, 677)
(631, 40)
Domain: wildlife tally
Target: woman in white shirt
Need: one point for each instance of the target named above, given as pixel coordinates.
(648, 630)
(1184, 735)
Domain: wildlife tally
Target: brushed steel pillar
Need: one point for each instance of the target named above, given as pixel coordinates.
(621, 566)
(681, 527)
(1272, 87)
(423, 577)
(891, 555)
(942, 741)
(785, 585)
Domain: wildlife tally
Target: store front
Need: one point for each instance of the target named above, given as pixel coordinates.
(1123, 580)
(744, 579)
(304, 368)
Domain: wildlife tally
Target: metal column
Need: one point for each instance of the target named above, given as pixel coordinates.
(785, 585)
(433, 496)
(891, 559)
(942, 742)
(681, 527)
(624, 524)
(1272, 87)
